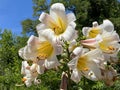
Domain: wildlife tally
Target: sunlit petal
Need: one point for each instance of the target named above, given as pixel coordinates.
(51, 62)
(41, 26)
(40, 69)
(47, 20)
(78, 50)
(108, 26)
(68, 34)
(72, 64)
(92, 32)
(95, 69)
(71, 17)
(58, 22)
(28, 83)
(76, 76)
(33, 40)
(85, 30)
(58, 10)
(23, 68)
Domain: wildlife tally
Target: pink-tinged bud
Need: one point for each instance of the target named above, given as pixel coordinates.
(88, 41)
(64, 80)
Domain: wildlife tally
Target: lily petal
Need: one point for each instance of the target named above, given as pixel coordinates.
(51, 62)
(71, 17)
(33, 41)
(23, 68)
(58, 9)
(76, 76)
(85, 30)
(46, 33)
(97, 53)
(108, 26)
(40, 69)
(72, 64)
(95, 68)
(41, 26)
(47, 20)
(68, 34)
(78, 50)
(20, 52)
(28, 84)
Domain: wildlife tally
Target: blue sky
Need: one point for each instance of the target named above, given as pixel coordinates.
(12, 12)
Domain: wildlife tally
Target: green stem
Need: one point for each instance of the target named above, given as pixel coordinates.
(69, 72)
(69, 80)
(84, 81)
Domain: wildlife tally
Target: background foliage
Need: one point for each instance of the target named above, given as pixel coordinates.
(86, 12)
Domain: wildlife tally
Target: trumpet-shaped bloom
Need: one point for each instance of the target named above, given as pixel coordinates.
(108, 42)
(30, 74)
(92, 32)
(57, 23)
(84, 64)
(42, 51)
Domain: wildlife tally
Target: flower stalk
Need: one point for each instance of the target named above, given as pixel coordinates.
(67, 72)
(57, 36)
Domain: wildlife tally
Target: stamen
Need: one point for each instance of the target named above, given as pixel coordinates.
(111, 48)
(86, 69)
(24, 79)
(45, 50)
(42, 57)
(58, 30)
(82, 63)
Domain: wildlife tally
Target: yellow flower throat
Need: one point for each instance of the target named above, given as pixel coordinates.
(45, 50)
(58, 26)
(82, 63)
(94, 32)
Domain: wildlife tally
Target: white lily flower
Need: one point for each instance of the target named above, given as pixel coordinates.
(92, 32)
(84, 65)
(108, 42)
(58, 24)
(30, 74)
(42, 50)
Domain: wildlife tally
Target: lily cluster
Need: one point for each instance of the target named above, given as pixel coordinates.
(89, 58)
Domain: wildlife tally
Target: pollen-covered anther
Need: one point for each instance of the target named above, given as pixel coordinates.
(42, 56)
(24, 79)
(58, 30)
(111, 48)
(86, 69)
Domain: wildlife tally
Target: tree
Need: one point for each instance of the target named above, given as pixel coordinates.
(29, 26)
(10, 62)
(86, 12)
(6, 44)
